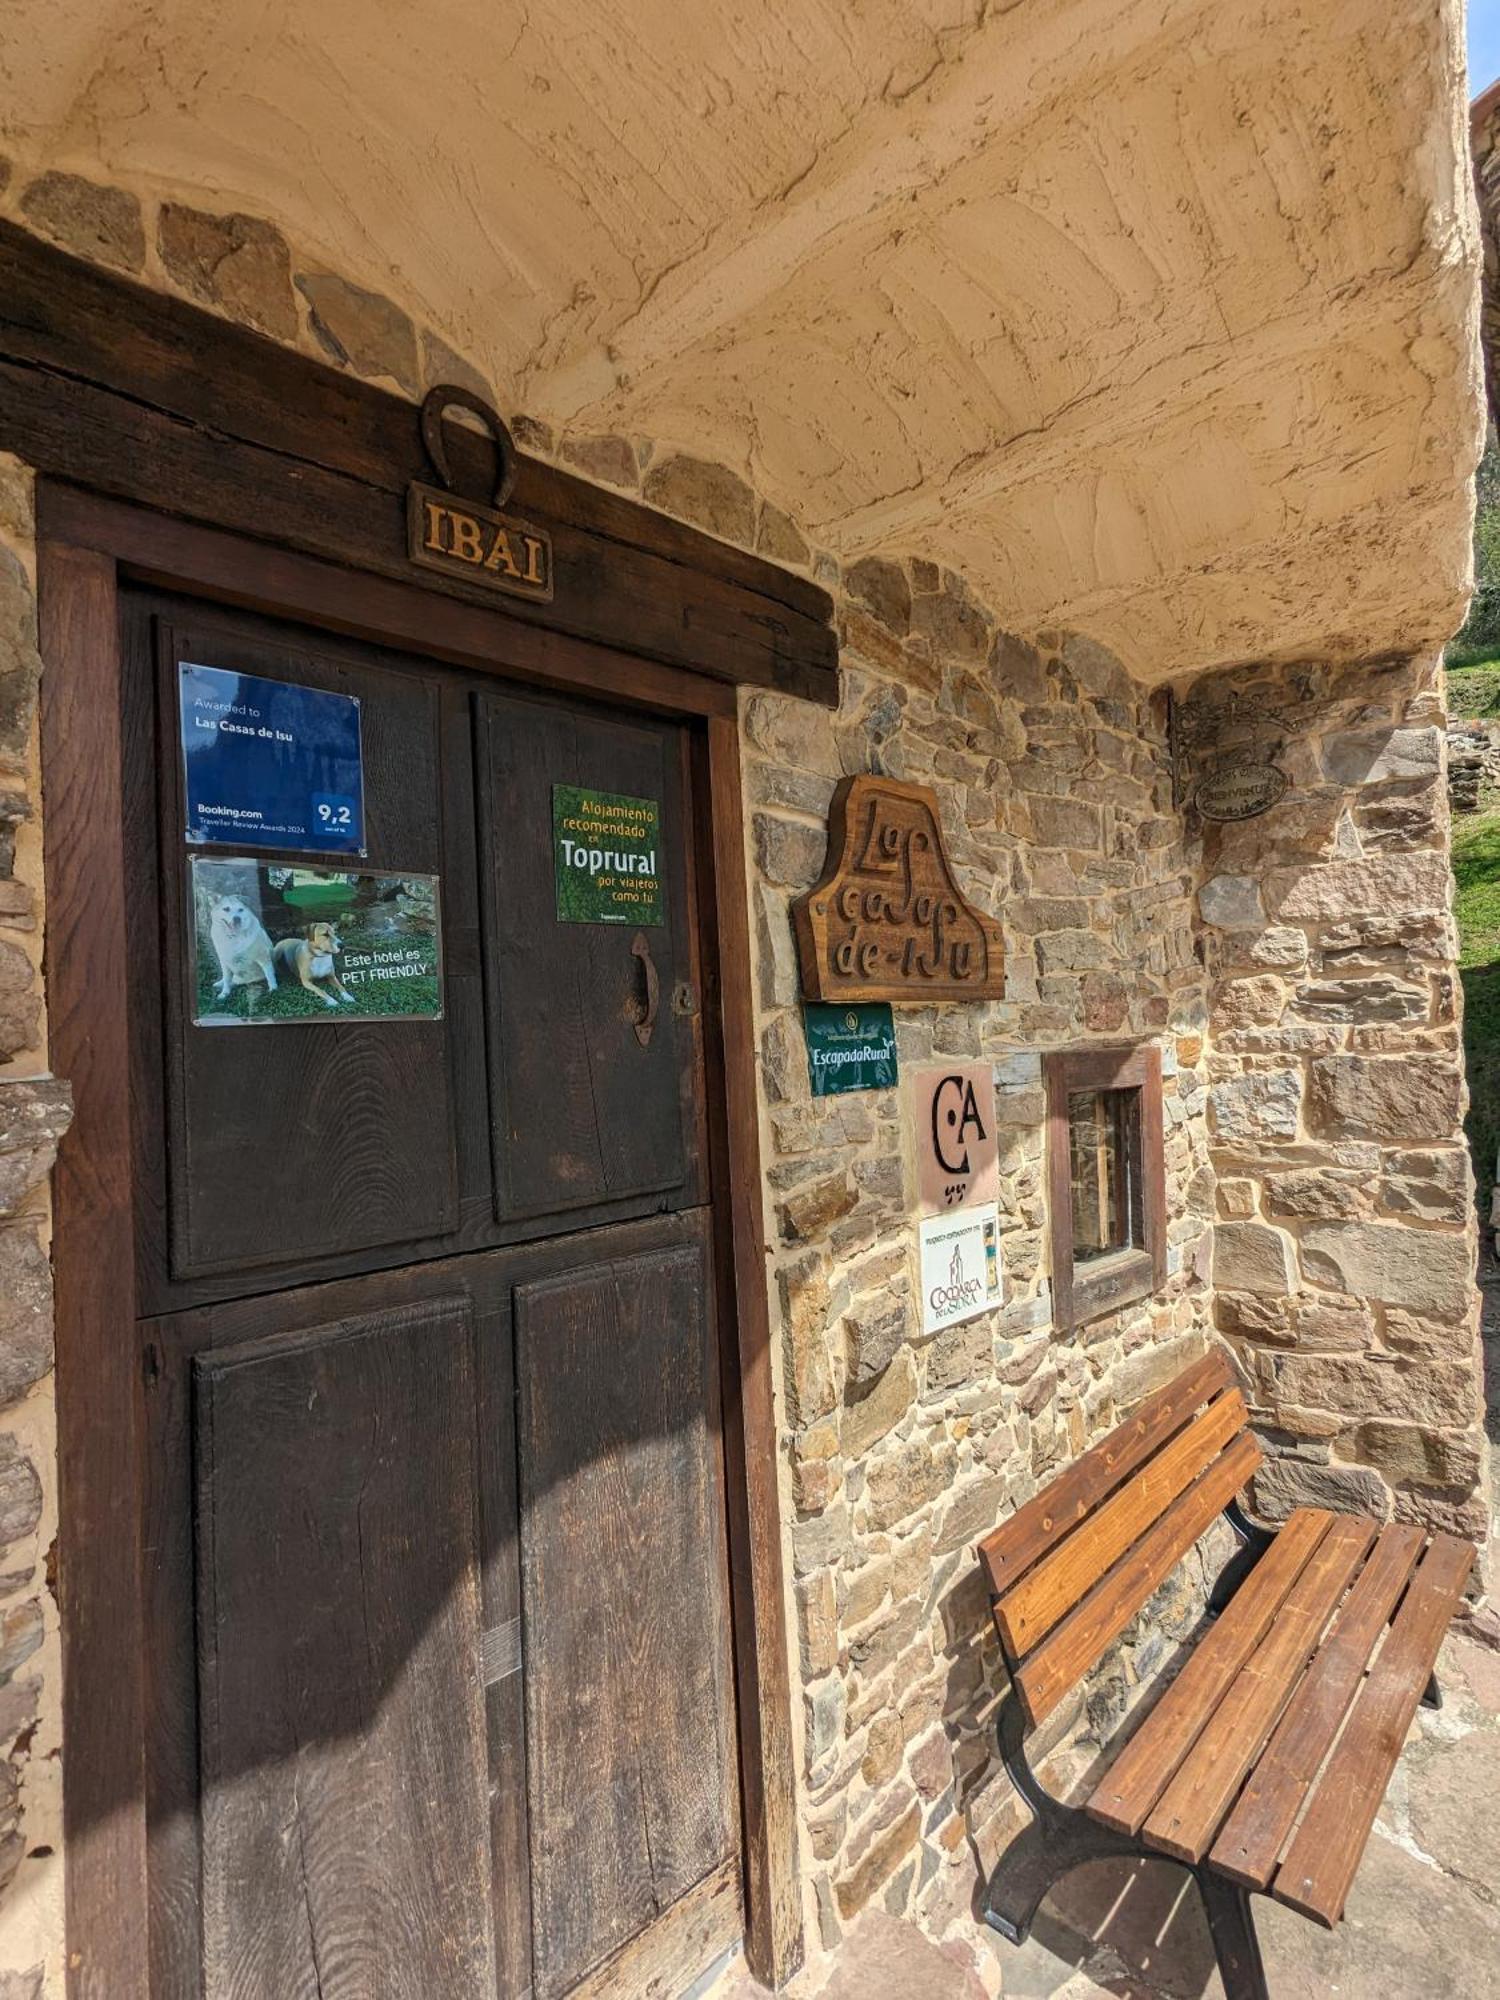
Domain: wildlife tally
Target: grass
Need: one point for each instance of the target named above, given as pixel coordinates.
(1476, 871)
(1474, 686)
(416, 993)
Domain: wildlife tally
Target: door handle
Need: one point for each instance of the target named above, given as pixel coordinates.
(645, 1011)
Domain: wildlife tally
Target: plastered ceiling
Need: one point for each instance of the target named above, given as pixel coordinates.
(1156, 318)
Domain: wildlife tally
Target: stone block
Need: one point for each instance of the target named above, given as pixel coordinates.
(793, 732)
(1263, 1104)
(1386, 1097)
(788, 852)
(1374, 998)
(610, 461)
(1279, 948)
(1252, 1257)
(907, 1480)
(1231, 902)
(25, 1313)
(361, 330)
(873, 1416)
(958, 1356)
(951, 621)
(34, 1114)
(811, 1211)
(1336, 1325)
(1378, 885)
(875, 1331)
(1437, 1393)
(1374, 756)
(882, 588)
(20, 1492)
(817, 1623)
(442, 364)
(779, 539)
(1417, 1269)
(1321, 1192)
(1068, 822)
(809, 1367)
(102, 224)
(1283, 1484)
(711, 497)
(235, 263)
(970, 1514)
(881, 1859)
(823, 1707)
(1412, 1456)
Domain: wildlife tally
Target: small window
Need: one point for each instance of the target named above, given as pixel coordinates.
(1107, 1179)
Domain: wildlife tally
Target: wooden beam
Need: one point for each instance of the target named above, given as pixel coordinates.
(140, 396)
(774, 1941)
(98, 1388)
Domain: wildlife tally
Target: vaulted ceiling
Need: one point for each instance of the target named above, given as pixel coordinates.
(1154, 317)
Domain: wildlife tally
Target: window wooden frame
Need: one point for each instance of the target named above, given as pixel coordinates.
(1082, 1293)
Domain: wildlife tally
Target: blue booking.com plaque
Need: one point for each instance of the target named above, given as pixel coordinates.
(269, 763)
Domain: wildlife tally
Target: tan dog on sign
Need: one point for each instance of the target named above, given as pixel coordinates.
(311, 957)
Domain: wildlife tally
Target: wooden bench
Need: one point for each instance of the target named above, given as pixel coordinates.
(1260, 1766)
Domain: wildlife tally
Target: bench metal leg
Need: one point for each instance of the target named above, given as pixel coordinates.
(1254, 1540)
(1232, 1927)
(1059, 1838)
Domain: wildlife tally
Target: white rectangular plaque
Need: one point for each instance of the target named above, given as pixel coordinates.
(959, 1254)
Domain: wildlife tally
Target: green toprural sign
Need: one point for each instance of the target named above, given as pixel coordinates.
(849, 1048)
(607, 857)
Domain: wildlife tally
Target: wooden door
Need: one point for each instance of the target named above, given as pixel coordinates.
(441, 1694)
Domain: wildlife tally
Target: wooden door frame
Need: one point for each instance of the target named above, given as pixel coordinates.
(88, 545)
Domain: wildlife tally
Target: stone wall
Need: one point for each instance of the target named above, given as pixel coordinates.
(1345, 1247)
(33, 1115)
(1054, 779)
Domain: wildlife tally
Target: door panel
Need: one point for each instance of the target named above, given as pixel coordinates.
(631, 1797)
(440, 1698)
(583, 1116)
(345, 1837)
(300, 1112)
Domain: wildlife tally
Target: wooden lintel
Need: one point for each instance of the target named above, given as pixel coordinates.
(142, 397)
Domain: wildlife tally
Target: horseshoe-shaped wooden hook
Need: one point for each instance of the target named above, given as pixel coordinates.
(452, 395)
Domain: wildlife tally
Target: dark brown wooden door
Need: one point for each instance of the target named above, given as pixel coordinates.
(439, 1622)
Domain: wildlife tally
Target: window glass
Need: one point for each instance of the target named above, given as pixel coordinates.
(1104, 1155)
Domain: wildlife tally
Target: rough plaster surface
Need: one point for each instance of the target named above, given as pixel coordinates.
(1154, 317)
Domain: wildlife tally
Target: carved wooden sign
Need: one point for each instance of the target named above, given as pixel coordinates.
(887, 921)
(464, 537)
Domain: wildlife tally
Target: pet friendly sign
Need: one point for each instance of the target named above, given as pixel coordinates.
(275, 944)
(270, 763)
(951, 1117)
(849, 1048)
(959, 1259)
(606, 857)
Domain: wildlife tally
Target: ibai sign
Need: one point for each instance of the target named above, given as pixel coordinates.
(462, 538)
(465, 538)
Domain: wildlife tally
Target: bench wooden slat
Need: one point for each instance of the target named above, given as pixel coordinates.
(1141, 1773)
(1016, 1544)
(1254, 1832)
(1080, 1641)
(1320, 1863)
(1191, 1809)
(1027, 1613)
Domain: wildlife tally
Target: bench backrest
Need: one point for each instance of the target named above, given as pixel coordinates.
(1071, 1568)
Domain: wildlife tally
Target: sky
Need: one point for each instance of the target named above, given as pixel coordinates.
(1484, 44)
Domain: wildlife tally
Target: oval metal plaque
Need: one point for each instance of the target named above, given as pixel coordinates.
(1240, 791)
